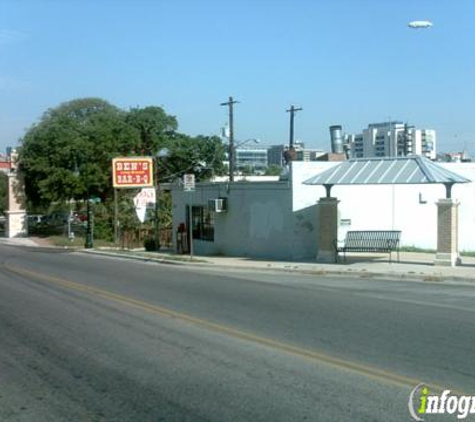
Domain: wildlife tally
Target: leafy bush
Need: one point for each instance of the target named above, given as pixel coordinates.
(150, 244)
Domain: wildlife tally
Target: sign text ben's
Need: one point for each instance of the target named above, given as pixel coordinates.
(132, 172)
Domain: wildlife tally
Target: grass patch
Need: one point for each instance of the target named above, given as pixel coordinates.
(424, 250)
(416, 249)
(77, 242)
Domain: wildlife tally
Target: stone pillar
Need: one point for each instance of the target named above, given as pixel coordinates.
(327, 229)
(16, 224)
(447, 233)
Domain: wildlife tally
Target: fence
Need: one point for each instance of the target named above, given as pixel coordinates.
(135, 238)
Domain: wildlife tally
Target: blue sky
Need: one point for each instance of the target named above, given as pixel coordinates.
(344, 62)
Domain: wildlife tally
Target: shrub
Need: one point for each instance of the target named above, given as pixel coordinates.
(150, 244)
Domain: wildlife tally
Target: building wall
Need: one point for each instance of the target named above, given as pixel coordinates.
(409, 208)
(260, 221)
(277, 220)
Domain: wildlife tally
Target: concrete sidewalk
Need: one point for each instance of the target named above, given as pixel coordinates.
(412, 265)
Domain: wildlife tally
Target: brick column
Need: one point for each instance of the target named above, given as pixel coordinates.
(327, 229)
(447, 233)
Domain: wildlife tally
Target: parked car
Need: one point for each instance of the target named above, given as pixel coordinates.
(56, 218)
(35, 219)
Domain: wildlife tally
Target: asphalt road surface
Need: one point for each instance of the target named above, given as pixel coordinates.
(88, 338)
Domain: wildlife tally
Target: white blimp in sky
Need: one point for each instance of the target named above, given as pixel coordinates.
(419, 24)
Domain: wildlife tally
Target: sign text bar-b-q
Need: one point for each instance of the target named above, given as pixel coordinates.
(132, 172)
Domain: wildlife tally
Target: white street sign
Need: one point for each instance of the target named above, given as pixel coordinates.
(143, 200)
(141, 212)
(189, 182)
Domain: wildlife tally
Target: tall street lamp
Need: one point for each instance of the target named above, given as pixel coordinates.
(70, 216)
(89, 244)
(89, 241)
(161, 154)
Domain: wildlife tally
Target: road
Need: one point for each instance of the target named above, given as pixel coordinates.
(88, 338)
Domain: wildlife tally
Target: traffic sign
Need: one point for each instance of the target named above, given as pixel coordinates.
(145, 198)
(132, 172)
(189, 182)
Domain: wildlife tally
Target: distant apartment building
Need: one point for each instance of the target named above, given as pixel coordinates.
(455, 157)
(393, 139)
(254, 158)
(275, 153)
(309, 154)
(5, 163)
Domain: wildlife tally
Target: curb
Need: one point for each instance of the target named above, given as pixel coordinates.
(424, 278)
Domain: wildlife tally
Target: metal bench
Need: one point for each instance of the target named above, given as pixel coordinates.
(370, 241)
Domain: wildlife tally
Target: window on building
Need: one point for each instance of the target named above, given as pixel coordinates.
(203, 223)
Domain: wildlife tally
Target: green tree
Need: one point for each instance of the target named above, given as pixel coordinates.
(273, 170)
(247, 171)
(154, 126)
(200, 155)
(69, 152)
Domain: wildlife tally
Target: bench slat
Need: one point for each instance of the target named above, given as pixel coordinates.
(370, 241)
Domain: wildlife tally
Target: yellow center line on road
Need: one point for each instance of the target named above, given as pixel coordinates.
(312, 355)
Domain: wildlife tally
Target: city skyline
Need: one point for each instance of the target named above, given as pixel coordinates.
(343, 63)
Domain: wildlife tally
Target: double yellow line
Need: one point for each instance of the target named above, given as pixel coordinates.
(376, 374)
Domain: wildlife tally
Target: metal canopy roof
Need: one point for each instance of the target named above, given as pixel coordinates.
(386, 171)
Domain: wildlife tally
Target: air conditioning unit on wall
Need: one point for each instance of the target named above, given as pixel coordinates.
(218, 204)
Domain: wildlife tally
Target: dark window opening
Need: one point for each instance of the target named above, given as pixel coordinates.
(203, 223)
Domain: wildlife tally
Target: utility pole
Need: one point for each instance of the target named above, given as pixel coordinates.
(292, 112)
(230, 104)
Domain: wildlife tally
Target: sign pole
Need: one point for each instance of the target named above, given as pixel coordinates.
(189, 186)
(116, 218)
(191, 223)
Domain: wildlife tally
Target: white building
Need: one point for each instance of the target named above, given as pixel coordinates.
(393, 139)
(278, 220)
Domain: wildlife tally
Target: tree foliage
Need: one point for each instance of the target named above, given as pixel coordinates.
(68, 153)
(200, 155)
(273, 170)
(154, 127)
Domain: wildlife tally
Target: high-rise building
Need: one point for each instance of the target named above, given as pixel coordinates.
(393, 139)
(275, 155)
(255, 158)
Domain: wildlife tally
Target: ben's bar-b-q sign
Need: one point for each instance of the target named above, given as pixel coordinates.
(132, 172)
